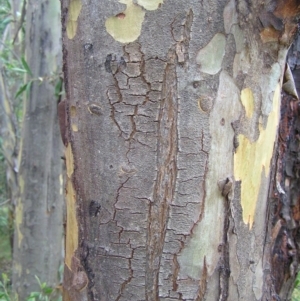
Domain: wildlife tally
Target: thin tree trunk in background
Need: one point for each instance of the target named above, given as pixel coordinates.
(38, 222)
(10, 131)
(172, 114)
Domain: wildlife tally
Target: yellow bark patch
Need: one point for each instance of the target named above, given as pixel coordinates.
(150, 4)
(72, 226)
(69, 160)
(74, 11)
(126, 27)
(73, 111)
(252, 160)
(19, 212)
(247, 100)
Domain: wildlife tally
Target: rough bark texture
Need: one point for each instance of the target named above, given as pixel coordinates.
(284, 192)
(171, 125)
(38, 227)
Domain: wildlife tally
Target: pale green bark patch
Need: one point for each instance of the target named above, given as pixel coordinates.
(267, 85)
(210, 57)
(150, 4)
(226, 109)
(126, 27)
(74, 11)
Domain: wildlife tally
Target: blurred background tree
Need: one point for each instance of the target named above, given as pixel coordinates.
(31, 166)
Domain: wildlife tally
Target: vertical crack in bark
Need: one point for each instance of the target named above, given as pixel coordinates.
(133, 124)
(224, 267)
(165, 180)
(123, 285)
(117, 197)
(87, 268)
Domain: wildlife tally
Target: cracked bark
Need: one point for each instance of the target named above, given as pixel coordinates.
(165, 181)
(156, 130)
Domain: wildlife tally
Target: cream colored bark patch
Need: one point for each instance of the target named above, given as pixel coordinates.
(74, 125)
(74, 11)
(211, 56)
(150, 4)
(61, 184)
(126, 27)
(251, 159)
(247, 100)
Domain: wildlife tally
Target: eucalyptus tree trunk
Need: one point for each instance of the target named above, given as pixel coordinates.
(171, 124)
(38, 221)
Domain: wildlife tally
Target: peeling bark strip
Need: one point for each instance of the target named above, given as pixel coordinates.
(159, 115)
(165, 182)
(284, 192)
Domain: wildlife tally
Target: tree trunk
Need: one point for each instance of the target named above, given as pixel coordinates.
(172, 115)
(38, 225)
(10, 131)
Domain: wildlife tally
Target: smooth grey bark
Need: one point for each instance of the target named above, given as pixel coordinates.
(172, 113)
(39, 211)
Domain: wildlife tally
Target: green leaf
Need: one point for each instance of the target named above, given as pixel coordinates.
(8, 4)
(58, 88)
(47, 290)
(16, 69)
(38, 280)
(33, 296)
(21, 90)
(6, 21)
(5, 278)
(28, 87)
(25, 65)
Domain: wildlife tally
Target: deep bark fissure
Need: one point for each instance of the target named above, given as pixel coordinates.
(224, 265)
(166, 178)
